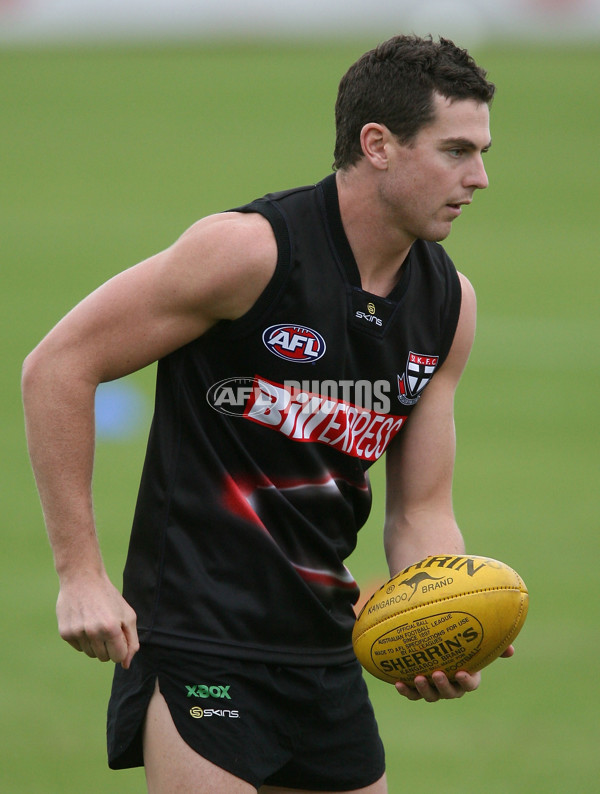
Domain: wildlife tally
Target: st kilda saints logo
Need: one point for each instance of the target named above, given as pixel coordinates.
(417, 374)
(295, 343)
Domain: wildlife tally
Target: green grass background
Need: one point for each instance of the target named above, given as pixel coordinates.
(108, 154)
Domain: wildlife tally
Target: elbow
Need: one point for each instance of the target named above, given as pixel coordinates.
(30, 374)
(38, 384)
(52, 377)
(40, 374)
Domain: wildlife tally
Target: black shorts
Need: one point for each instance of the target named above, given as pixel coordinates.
(300, 727)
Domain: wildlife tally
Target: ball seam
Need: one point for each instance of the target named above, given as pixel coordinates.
(440, 601)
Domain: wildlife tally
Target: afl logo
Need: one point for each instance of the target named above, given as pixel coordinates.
(229, 396)
(294, 343)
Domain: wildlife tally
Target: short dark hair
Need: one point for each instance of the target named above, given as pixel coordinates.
(394, 85)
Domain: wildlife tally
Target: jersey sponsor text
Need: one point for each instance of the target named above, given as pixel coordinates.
(306, 416)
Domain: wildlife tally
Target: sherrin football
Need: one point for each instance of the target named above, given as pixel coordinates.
(445, 613)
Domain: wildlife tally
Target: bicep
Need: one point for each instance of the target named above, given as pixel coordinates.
(419, 463)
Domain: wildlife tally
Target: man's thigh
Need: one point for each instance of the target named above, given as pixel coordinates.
(172, 766)
(380, 787)
(246, 725)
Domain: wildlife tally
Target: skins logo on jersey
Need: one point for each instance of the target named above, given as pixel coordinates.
(417, 374)
(294, 342)
(370, 317)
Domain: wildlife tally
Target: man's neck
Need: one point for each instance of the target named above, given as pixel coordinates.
(379, 248)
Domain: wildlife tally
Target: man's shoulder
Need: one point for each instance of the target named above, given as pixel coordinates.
(247, 237)
(278, 195)
(230, 258)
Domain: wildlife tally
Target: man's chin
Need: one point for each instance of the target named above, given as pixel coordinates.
(441, 232)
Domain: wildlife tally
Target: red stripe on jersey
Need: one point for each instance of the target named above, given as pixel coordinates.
(308, 417)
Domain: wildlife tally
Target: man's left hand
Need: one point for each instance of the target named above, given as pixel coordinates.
(439, 686)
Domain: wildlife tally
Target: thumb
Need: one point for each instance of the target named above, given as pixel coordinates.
(133, 644)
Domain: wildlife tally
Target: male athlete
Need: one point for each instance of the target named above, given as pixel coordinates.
(298, 338)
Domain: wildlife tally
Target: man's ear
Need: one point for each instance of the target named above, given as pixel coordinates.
(373, 140)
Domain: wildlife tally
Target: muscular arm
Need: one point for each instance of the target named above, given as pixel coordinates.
(419, 515)
(420, 464)
(216, 270)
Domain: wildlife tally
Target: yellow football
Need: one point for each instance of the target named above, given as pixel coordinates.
(445, 613)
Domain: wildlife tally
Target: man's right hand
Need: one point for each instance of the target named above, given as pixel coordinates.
(94, 618)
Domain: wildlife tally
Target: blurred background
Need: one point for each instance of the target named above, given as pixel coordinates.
(124, 121)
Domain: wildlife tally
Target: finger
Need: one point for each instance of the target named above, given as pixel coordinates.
(99, 642)
(467, 681)
(93, 646)
(508, 652)
(447, 689)
(75, 638)
(426, 689)
(116, 647)
(133, 644)
(78, 640)
(87, 646)
(407, 691)
(123, 644)
(74, 644)
(101, 651)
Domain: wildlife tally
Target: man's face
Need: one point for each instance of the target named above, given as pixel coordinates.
(428, 181)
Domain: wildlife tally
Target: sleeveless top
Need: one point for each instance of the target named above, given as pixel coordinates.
(255, 481)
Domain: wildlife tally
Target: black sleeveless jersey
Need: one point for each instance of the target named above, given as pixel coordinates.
(255, 481)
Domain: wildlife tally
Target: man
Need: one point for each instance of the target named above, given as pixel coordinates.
(298, 338)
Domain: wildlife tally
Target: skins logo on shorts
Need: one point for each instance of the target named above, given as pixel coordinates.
(294, 343)
(198, 713)
(417, 374)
